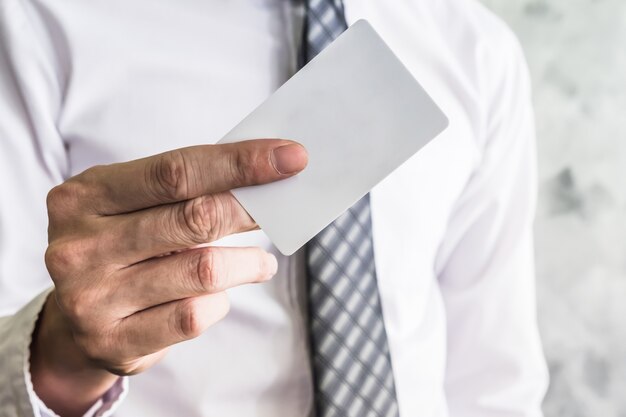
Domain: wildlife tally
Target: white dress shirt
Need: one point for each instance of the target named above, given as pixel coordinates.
(102, 81)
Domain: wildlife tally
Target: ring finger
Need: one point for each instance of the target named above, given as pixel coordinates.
(186, 274)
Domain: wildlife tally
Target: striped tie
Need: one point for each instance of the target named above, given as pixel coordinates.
(351, 362)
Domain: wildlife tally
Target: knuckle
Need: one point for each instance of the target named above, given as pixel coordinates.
(63, 198)
(187, 321)
(245, 165)
(55, 260)
(202, 219)
(63, 257)
(55, 197)
(209, 270)
(77, 306)
(170, 175)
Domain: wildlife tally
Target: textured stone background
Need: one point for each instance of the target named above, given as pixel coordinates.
(576, 51)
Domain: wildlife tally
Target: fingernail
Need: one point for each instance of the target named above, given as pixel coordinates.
(289, 159)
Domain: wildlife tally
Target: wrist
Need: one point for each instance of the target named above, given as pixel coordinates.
(62, 376)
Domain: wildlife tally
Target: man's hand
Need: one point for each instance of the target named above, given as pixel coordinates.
(130, 277)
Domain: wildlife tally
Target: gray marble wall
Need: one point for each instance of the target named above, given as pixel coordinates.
(576, 51)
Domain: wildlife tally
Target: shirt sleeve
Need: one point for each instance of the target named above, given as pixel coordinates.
(485, 265)
(33, 159)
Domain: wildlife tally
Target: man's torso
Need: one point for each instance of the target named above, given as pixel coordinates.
(143, 77)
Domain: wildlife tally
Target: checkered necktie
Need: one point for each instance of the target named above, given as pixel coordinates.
(352, 367)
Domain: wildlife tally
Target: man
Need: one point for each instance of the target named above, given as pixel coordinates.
(84, 84)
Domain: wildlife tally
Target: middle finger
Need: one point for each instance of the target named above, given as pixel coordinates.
(134, 237)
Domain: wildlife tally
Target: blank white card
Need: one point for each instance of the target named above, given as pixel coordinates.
(359, 113)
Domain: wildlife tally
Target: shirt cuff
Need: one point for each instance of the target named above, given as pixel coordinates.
(104, 407)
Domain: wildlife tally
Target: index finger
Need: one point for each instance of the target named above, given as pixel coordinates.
(187, 173)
